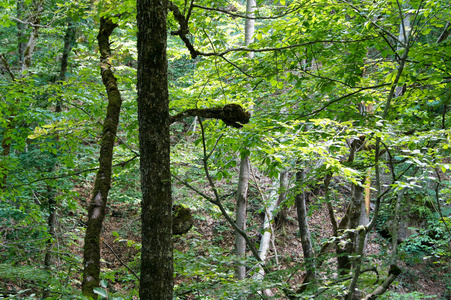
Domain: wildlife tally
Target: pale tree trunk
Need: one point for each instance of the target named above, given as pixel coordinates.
(249, 26)
(241, 205)
(240, 243)
(99, 196)
(364, 218)
(403, 37)
(304, 231)
(270, 205)
(357, 214)
(157, 278)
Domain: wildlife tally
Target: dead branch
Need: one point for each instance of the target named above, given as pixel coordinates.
(232, 114)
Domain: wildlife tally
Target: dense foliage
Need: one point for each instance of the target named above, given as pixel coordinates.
(351, 99)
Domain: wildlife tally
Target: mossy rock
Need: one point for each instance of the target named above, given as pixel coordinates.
(182, 219)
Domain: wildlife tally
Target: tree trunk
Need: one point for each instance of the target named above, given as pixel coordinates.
(97, 205)
(249, 25)
(268, 231)
(307, 248)
(154, 145)
(350, 221)
(243, 183)
(241, 216)
(283, 209)
(20, 29)
(35, 20)
(51, 224)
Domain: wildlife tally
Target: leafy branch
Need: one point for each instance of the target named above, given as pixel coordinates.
(184, 31)
(244, 16)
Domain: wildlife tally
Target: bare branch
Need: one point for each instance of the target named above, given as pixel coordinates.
(185, 183)
(28, 23)
(8, 69)
(444, 33)
(184, 31)
(124, 264)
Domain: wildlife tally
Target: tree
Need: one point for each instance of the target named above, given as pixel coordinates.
(154, 145)
(243, 179)
(99, 196)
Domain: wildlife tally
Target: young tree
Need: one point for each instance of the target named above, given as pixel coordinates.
(97, 206)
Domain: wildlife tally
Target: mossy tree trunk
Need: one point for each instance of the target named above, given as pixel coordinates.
(154, 146)
(97, 205)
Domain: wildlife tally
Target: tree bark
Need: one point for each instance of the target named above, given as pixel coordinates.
(249, 25)
(35, 20)
(241, 216)
(154, 145)
(307, 248)
(268, 232)
(393, 273)
(97, 205)
(243, 184)
(231, 114)
(351, 220)
(282, 214)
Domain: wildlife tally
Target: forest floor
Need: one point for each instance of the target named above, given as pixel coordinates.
(427, 276)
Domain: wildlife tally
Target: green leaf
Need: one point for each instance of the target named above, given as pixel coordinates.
(100, 292)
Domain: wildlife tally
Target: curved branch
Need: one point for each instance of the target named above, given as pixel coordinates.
(392, 274)
(232, 114)
(124, 264)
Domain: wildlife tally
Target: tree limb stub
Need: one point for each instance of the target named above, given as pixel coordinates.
(231, 114)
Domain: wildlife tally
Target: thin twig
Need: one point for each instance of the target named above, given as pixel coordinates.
(221, 207)
(124, 264)
(7, 67)
(341, 98)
